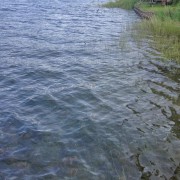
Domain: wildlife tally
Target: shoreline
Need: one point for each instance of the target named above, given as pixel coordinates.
(162, 22)
(143, 14)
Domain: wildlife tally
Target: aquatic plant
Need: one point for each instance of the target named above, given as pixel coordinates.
(164, 27)
(166, 36)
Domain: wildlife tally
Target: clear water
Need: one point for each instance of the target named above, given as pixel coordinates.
(75, 103)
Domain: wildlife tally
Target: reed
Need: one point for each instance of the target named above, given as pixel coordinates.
(165, 28)
(166, 36)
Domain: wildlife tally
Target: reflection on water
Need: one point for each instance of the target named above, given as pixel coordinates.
(74, 104)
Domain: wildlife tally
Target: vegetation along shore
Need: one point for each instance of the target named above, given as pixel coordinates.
(161, 20)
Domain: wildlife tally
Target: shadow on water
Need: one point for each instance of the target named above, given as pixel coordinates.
(170, 92)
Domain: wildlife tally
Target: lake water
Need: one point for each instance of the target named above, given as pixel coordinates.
(80, 98)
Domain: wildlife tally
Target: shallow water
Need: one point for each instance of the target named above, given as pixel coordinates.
(80, 99)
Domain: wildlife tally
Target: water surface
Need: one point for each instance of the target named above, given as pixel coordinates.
(80, 99)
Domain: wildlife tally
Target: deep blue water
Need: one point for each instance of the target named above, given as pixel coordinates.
(80, 98)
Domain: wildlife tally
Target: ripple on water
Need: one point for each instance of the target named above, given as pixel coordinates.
(76, 105)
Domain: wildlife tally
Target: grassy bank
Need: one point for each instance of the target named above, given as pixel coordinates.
(125, 4)
(166, 36)
(164, 26)
(162, 12)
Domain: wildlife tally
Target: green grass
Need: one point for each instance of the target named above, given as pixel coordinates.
(125, 4)
(162, 12)
(166, 36)
(164, 26)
